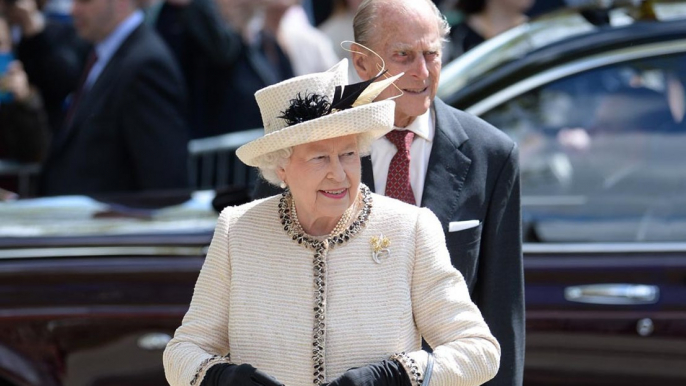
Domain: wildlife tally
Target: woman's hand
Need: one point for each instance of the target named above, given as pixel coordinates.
(225, 374)
(384, 373)
(27, 16)
(16, 82)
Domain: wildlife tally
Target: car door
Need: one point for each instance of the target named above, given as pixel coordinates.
(602, 146)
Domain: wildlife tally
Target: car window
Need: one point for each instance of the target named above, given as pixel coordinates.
(602, 153)
(509, 46)
(543, 31)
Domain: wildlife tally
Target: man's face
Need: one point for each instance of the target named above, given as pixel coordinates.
(408, 42)
(94, 19)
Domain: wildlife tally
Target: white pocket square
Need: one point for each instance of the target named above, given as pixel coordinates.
(456, 226)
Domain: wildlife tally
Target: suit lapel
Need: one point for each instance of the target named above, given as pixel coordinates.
(368, 172)
(99, 89)
(448, 166)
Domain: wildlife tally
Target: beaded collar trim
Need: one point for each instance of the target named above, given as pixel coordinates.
(321, 248)
(298, 235)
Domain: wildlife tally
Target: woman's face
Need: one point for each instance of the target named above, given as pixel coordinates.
(324, 178)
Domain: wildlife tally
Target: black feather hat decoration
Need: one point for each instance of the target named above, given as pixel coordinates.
(303, 109)
(344, 97)
(312, 106)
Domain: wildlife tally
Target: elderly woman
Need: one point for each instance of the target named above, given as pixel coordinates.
(327, 283)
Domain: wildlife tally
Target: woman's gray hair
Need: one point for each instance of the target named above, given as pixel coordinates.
(269, 163)
(365, 19)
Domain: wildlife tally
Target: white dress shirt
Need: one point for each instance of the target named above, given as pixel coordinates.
(383, 151)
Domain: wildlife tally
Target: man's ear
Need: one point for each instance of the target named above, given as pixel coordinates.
(361, 62)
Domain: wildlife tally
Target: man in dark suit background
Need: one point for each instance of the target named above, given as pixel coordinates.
(460, 167)
(222, 65)
(125, 128)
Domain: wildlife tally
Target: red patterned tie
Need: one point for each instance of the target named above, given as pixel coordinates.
(398, 182)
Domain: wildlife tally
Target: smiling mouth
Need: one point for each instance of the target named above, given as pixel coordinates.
(335, 192)
(415, 90)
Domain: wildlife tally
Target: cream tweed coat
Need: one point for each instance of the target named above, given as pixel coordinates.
(255, 294)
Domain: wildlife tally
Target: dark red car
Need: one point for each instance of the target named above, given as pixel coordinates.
(90, 293)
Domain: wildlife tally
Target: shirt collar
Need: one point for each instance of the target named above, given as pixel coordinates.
(422, 126)
(108, 46)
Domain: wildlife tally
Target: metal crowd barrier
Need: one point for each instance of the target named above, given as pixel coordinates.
(26, 174)
(213, 163)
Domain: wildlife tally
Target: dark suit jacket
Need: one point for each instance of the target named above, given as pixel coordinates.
(473, 174)
(234, 86)
(53, 60)
(128, 132)
(222, 71)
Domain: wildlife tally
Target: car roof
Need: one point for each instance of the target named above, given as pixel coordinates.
(545, 42)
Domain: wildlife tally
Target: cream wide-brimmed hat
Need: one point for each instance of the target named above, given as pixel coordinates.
(364, 116)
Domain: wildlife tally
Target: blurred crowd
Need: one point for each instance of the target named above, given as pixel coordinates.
(106, 94)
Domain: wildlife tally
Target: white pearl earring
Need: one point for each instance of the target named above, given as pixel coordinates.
(283, 185)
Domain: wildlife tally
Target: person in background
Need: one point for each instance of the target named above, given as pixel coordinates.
(339, 25)
(261, 61)
(24, 132)
(227, 50)
(308, 49)
(200, 40)
(482, 20)
(51, 52)
(125, 127)
(339, 28)
(459, 166)
(327, 283)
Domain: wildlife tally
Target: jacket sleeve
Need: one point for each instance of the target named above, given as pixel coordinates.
(499, 288)
(465, 351)
(154, 120)
(53, 60)
(24, 130)
(202, 340)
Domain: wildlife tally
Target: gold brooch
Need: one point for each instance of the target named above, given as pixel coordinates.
(380, 249)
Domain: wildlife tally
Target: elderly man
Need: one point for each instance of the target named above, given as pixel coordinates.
(124, 129)
(457, 165)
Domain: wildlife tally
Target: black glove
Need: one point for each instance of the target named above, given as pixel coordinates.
(384, 373)
(225, 374)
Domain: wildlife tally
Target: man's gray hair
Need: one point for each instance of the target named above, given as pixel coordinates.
(367, 13)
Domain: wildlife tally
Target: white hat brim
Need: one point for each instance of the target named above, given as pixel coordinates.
(375, 118)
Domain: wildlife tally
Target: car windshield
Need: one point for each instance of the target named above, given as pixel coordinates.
(528, 37)
(601, 152)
